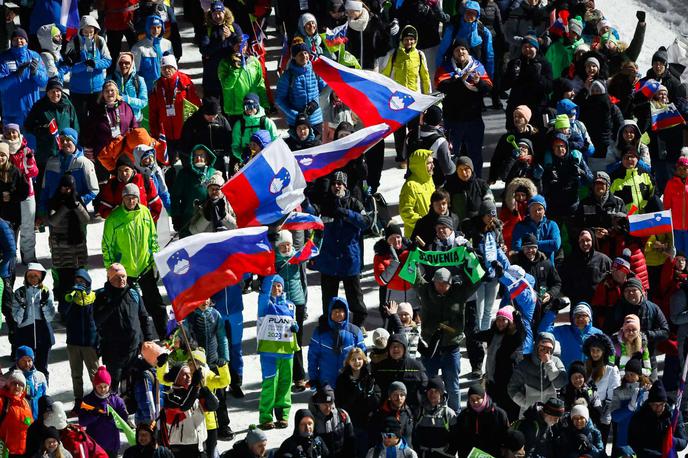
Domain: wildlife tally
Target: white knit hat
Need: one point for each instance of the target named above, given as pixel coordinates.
(284, 236)
(56, 416)
(580, 411)
(169, 60)
(17, 376)
(353, 5)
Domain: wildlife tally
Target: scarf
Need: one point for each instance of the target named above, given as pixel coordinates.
(215, 211)
(482, 405)
(15, 145)
(361, 23)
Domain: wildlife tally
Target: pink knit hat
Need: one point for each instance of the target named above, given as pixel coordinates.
(506, 312)
(524, 111)
(102, 376)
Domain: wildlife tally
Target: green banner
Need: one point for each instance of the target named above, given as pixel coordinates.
(452, 258)
(123, 426)
(477, 453)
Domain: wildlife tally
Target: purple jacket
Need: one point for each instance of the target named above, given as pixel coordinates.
(102, 427)
(102, 120)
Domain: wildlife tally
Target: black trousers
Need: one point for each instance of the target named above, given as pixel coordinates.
(298, 372)
(375, 159)
(354, 295)
(148, 284)
(117, 359)
(476, 353)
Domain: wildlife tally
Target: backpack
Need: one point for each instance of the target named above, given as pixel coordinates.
(261, 123)
(376, 207)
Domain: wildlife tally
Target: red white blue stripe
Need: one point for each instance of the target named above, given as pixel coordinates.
(309, 250)
(302, 222)
(650, 223)
(650, 88)
(666, 117)
(69, 17)
(269, 187)
(336, 36)
(196, 267)
(322, 160)
(375, 98)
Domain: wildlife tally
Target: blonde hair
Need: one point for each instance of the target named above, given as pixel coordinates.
(118, 96)
(355, 352)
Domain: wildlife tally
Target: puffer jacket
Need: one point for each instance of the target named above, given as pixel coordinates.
(414, 198)
(161, 96)
(562, 180)
(570, 440)
(130, 238)
(208, 330)
(125, 146)
(81, 327)
(20, 89)
(546, 231)
(190, 185)
(295, 89)
(275, 313)
(341, 250)
(50, 53)
(359, 397)
(570, 338)
(633, 186)
(214, 46)
(42, 112)
(610, 379)
(448, 309)
(512, 212)
(132, 88)
(110, 195)
(216, 135)
(336, 430)
(386, 266)
(119, 14)
(93, 416)
(68, 248)
(478, 37)
(85, 79)
(121, 318)
(479, 429)
(36, 388)
(154, 173)
(409, 68)
(239, 82)
(675, 198)
(148, 53)
(330, 344)
(34, 303)
(533, 381)
(13, 429)
(79, 167)
(25, 162)
(247, 126)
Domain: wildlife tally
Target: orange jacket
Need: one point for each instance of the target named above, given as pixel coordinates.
(16, 423)
(125, 145)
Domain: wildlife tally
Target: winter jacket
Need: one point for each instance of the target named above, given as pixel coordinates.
(297, 446)
(546, 231)
(133, 90)
(208, 216)
(647, 432)
(513, 212)
(571, 443)
(24, 161)
(36, 388)
(119, 14)
(18, 188)
(560, 55)
(404, 415)
(155, 174)
(14, 427)
(275, 328)
(621, 146)
(425, 227)
(110, 196)
(623, 353)
(530, 80)
(247, 126)
(414, 199)
(330, 344)
(653, 323)
(369, 36)
(570, 338)
(294, 276)
(214, 46)
(42, 12)
(525, 19)
(104, 121)
(386, 265)
(190, 430)
(93, 415)
(562, 180)
(545, 274)
(208, 330)
(479, 429)
(81, 326)
(33, 303)
(359, 397)
(20, 87)
(534, 381)
(504, 151)
(121, 318)
(463, 98)
(602, 118)
(593, 212)
(675, 198)
(125, 146)
(478, 37)
(434, 139)
(433, 426)
(341, 250)
(148, 53)
(8, 249)
(190, 185)
(467, 196)
(78, 166)
(216, 135)
(130, 238)
(75, 439)
(37, 123)
(678, 303)
(88, 79)
(336, 430)
(424, 16)
(541, 440)
(238, 82)
(401, 450)
(55, 66)
(297, 87)
(584, 271)
(409, 68)
(175, 90)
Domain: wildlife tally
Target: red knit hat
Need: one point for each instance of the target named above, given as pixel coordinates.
(102, 376)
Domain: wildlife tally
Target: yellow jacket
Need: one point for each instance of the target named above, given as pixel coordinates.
(414, 199)
(410, 69)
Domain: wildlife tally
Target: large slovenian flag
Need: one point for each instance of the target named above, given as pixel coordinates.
(196, 267)
(267, 188)
(375, 98)
(650, 223)
(322, 160)
(69, 17)
(666, 117)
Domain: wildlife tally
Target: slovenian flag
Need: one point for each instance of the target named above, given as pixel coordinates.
(375, 98)
(196, 267)
(322, 160)
(650, 88)
(650, 223)
(336, 36)
(69, 17)
(309, 250)
(54, 131)
(267, 188)
(302, 222)
(666, 117)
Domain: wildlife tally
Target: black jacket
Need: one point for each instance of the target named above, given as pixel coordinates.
(646, 432)
(377, 422)
(121, 318)
(358, 397)
(483, 430)
(653, 323)
(425, 227)
(593, 213)
(545, 273)
(296, 446)
(541, 440)
(466, 196)
(460, 103)
(583, 271)
(216, 135)
(602, 118)
(530, 80)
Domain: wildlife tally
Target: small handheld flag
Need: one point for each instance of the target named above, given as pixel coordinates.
(666, 117)
(302, 222)
(650, 223)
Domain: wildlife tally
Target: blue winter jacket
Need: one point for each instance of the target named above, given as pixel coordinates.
(8, 249)
(79, 166)
(148, 53)
(295, 88)
(20, 89)
(570, 338)
(330, 344)
(547, 233)
(474, 33)
(208, 330)
(87, 80)
(44, 12)
(229, 301)
(277, 306)
(134, 91)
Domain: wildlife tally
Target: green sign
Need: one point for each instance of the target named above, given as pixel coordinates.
(477, 453)
(457, 256)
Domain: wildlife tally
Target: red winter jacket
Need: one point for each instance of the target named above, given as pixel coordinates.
(110, 195)
(80, 444)
(26, 165)
(16, 423)
(607, 293)
(638, 265)
(119, 14)
(675, 198)
(382, 260)
(162, 96)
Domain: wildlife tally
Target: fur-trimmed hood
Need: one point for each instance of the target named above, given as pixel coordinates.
(511, 188)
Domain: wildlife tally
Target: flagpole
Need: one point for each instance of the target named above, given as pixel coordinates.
(185, 338)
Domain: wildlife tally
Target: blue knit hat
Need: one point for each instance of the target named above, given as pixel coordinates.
(70, 133)
(537, 199)
(278, 279)
(24, 351)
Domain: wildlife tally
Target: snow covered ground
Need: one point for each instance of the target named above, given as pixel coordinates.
(668, 14)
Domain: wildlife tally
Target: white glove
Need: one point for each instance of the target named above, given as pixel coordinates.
(394, 30)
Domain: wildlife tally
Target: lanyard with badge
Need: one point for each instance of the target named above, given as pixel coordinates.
(169, 106)
(114, 128)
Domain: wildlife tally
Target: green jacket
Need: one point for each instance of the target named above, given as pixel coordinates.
(39, 118)
(294, 278)
(130, 238)
(190, 186)
(241, 137)
(633, 187)
(238, 82)
(560, 55)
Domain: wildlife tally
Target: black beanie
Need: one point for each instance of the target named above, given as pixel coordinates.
(529, 240)
(657, 392)
(392, 229)
(433, 116)
(634, 365)
(513, 440)
(576, 367)
(661, 55)
(477, 389)
(391, 425)
(436, 383)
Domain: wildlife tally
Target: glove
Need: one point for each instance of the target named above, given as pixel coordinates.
(90, 63)
(68, 60)
(196, 377)
(221, 362)
(583, 444)
(310, 107)
(640, 14)
(33, 66)
(394, 29)
(457, 280)
(497, 266)
(294, 327)
(162, 359)
(560, 303)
